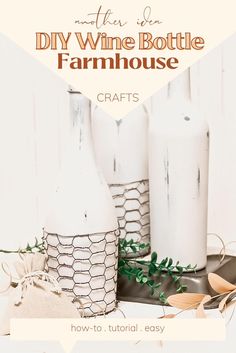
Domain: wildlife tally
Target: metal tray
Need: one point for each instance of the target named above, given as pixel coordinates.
(131, 291)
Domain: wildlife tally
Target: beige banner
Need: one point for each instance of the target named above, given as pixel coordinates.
(68, 332)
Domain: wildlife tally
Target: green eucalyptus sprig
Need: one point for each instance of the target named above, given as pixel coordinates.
(127, 246)
(38, 246)
(143, 271)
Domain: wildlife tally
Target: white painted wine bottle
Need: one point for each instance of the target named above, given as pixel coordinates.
(178, 172)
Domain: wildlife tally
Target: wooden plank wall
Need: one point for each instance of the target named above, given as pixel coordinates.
(35, 126)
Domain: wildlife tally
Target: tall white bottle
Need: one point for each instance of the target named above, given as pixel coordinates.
(178, 173)
(81, 231)
(122, 153)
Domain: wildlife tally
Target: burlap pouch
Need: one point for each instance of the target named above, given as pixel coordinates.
(36, 295)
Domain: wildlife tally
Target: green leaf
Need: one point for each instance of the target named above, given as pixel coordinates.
(121, 262)
(164, 262)
(180, 269)
(175, 278)
(150, 282)
(162, 297)
(154, 257)
(152, 269)
(133, 248)
(144, 279)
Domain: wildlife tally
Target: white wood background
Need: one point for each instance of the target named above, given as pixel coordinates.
(35, 126)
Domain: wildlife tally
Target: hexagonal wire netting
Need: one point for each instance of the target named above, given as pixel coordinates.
(132, 208)
(86, 268)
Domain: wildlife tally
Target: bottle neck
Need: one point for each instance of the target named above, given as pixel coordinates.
(180, 87)
(81, 122)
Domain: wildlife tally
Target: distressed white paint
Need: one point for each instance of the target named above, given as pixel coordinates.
(82, 203)
(121, 145)
(178, 177)
(81, 229)
(121, 148)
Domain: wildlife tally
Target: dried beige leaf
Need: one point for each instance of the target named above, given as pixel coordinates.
(168, 316)
(222, 304)
(185, 300)
(200, 313)
(219, 284)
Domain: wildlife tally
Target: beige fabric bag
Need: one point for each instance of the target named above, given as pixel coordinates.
(37, 294)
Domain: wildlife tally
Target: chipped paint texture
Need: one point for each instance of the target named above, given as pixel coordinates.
(178, 177)
(82, 203)
(81, 231)
(178, 189)
(121, 152)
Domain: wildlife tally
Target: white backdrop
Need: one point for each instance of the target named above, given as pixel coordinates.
(35, 126)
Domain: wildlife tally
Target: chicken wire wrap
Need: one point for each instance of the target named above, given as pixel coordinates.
(133, 213)
(86, 268)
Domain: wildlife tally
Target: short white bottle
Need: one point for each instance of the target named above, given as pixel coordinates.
(122, 153)
(178, 173)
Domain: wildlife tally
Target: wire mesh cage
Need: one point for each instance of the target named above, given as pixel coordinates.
(132, 209)
(86, 268)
